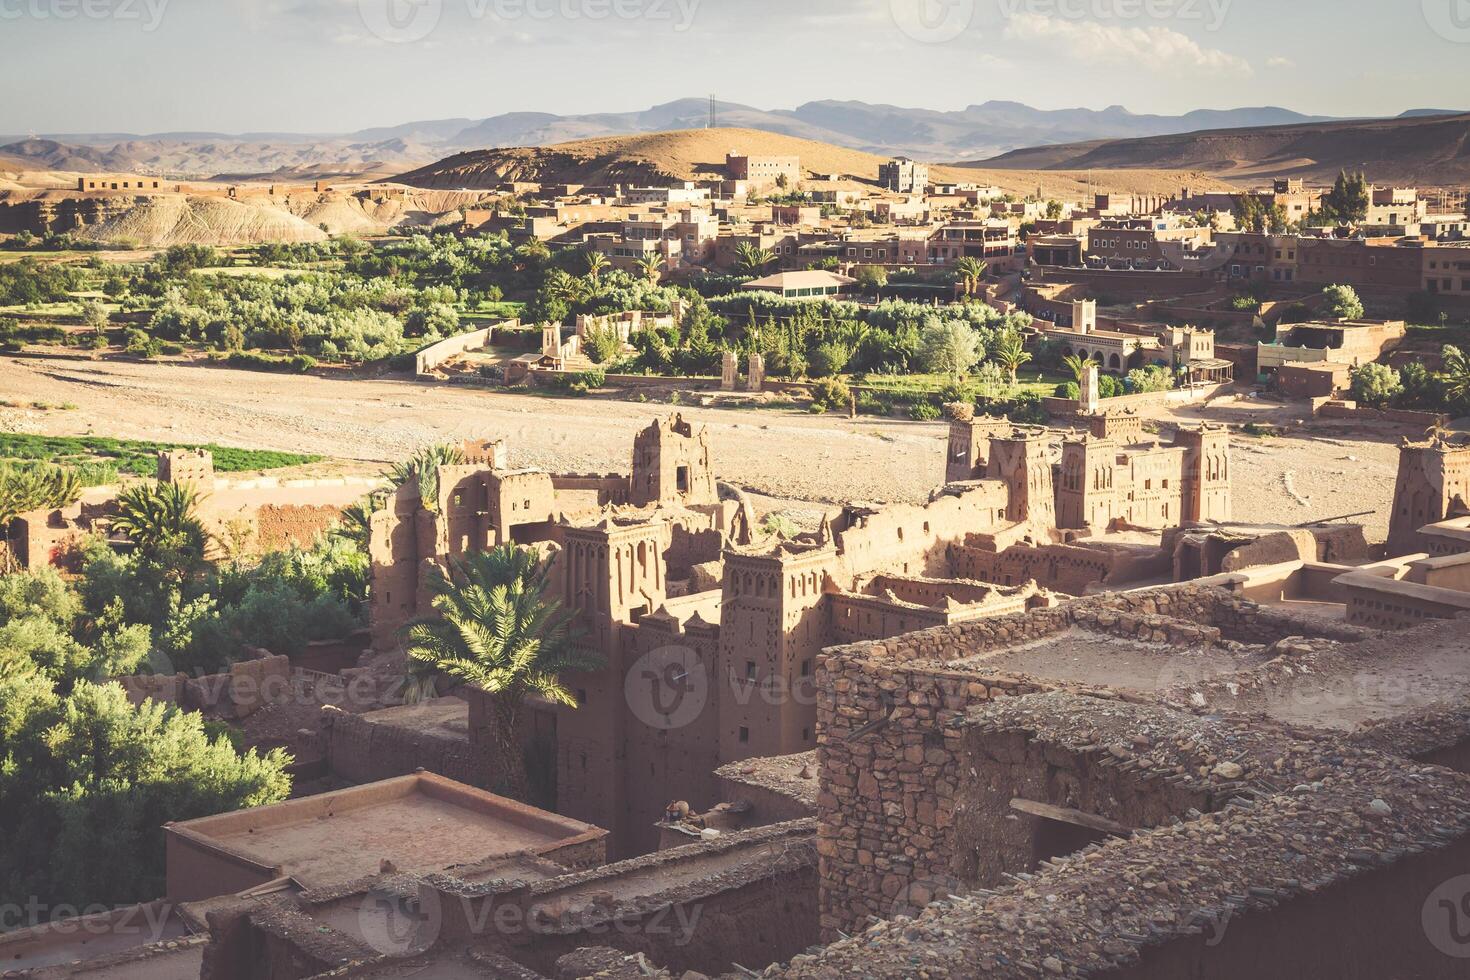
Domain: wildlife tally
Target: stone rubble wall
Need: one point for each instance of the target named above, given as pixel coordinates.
(887, 803)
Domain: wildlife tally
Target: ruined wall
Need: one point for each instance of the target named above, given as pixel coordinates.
(362, 751)
(1060, 567)
(279, 526)
(888, 797)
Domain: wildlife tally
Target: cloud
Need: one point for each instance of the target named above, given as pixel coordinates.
(1157, 48)
(1280, 62)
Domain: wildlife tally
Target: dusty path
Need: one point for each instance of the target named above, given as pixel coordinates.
(1331, 468)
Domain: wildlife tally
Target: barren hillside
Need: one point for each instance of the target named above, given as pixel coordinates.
(1422, 150)
(658, 158)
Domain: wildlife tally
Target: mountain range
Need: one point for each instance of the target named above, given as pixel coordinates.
(976, 132)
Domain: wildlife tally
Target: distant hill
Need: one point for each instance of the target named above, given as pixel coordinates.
(692, 154)
(977, 131)
(1417, 148)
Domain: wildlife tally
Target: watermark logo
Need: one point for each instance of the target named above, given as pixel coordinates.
(395, 924)
(932, 21)
(667, 688)
(1450, 19)
(400, 21)
(1446, 917)
(147, 13)
(1209, 14)
(410, 21)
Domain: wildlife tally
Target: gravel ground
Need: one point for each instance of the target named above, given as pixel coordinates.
(1317, 470)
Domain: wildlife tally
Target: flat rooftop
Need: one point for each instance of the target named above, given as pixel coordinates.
(441, 717)
(421, 822)
(1081, 656)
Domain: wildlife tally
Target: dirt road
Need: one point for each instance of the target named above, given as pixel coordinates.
(1317, 471)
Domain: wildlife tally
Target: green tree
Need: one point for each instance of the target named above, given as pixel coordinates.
(497, 629)
(950, 347)
(1077, 364)
(969, 273)
(652, 267)
(1347, 202)
(94, 315)
(1342, 302)
(87, 780)
(597, 264)
(1010, 353)
(871, 278)
(602, 344)
(1376, 385)
(1456, 375)
(752, 260)
(422, 470)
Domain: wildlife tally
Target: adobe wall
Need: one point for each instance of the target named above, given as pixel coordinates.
(1341, 409)
(279, 526)
(434, 356)
(1059, 567)
(1145, 400)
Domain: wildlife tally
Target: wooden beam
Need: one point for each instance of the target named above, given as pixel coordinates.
(1075, 817)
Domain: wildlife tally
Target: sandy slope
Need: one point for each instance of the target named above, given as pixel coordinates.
(1320, 471)
(1423, 150)
(700, 154)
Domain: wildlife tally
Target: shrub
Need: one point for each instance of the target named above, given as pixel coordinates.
(1069, 389)
(1376, 385)
(923, 412)
(831, 393)
(602, 346)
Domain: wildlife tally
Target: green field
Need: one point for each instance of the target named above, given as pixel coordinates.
(99, 457)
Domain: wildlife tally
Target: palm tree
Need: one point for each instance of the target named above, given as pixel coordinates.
(160, 518)
(652, 268)
(1077, 364)
(422, 469)
(1010, 353)
(752, 260)
(596, 263)
(969, 273)
(27, 488)
(355, 523)
(1456, 374)
(497, 629)
(534, 252)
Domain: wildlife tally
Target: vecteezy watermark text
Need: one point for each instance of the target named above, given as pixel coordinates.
(1209, 14)
(407, 21)
(148, 13)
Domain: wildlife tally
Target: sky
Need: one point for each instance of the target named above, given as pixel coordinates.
(336, 66)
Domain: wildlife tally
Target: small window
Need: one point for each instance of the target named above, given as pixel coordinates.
(744, 734)
(581, 695)
(750, 670)
(806, 665)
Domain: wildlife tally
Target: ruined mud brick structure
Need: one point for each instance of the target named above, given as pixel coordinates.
(709, 628)
(1433, 485)
(1111, 476)
(743, 898)
(1095, 837)
(188, 467)
(1107, 480)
